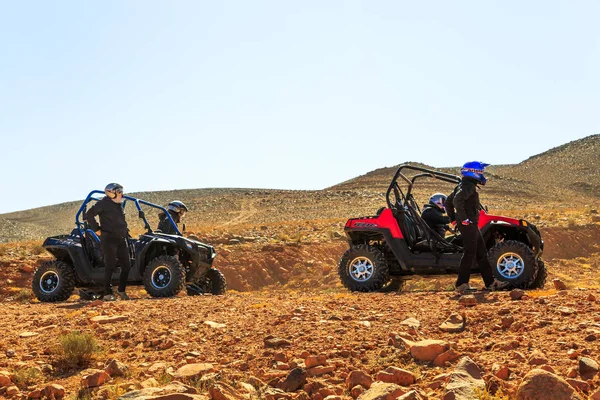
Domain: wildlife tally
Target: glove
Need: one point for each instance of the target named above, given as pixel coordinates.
(466, 222)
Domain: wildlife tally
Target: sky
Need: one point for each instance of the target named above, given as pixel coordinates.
(160, 95)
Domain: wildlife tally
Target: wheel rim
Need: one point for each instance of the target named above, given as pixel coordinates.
(361, 269)
(161, 277)
(510, 265)
(49, 281)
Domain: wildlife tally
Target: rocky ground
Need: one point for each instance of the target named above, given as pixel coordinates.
(311, 344)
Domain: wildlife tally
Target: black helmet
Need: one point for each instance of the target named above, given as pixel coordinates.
(438, 200)
(177, 207)
(112, 189)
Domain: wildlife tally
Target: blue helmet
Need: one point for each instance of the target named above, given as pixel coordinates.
(474, 169)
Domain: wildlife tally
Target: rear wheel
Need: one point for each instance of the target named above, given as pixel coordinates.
(513, 262)
(53, 281)
(214, 283)
(363, 268)
(164, 277)
(540, 278)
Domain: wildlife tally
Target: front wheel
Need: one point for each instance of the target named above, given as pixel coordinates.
(363, 268)
(513, 262)
(53, 281)
(164, 277)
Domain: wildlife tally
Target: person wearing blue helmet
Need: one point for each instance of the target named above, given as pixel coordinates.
(463, 206)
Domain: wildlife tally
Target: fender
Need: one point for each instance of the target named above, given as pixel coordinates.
(385, 221)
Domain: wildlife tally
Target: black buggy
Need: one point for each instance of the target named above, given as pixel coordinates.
(164, 264)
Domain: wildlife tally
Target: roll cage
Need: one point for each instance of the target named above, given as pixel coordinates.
(82, 227)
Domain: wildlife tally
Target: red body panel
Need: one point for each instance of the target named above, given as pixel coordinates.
(385, 220)
(485, 218)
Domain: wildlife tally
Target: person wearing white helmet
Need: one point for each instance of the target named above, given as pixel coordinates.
(176, 210)
(113, 233)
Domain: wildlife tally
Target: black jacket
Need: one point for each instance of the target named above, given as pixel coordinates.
(164, 225)
(463, 203)
(435, 218)
(112, 218)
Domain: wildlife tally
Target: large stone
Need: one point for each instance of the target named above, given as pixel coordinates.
(358, 378)
(467, 300)
(192, 371)
(294, 380)
(454, 323)
(320, 370)
(588, 368)
(173, 391)
(28, 334)
(426, 350)
(5, 379)
(465, 381)
(543, 385)
(396, 375)
(95, 378)
(382, 391)
(517, 294)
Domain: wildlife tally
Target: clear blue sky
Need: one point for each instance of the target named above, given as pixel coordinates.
(282, 94)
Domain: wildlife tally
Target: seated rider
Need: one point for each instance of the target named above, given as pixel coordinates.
(176, 210)
(433, 214)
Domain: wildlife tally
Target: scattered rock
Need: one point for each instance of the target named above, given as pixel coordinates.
(467, 300)
(559, 285)
(426, 350)
(465, 381)
(396, 375)
(588, 368)
(543, 385)
(516, 294)
(446, 357)
(193, 371)
(222, 391)
(105, 319)
(54, 390)
(537, 358)
(28, 334)
(321, 370)
(165, 393)
(454, 323)
(294, 380)
(313, 361)
(382, 391)
(580, 385)
(275, 342)
(411, 323)
(95, 378)
(566, 311)
(215, 325)
(116, 368)
(358, 378)
(412, 395)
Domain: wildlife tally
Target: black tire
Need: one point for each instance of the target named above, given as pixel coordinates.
(519, 257)
(164, 276)
(53, 281)
(214, 283)
(375, 272)
(540, 278)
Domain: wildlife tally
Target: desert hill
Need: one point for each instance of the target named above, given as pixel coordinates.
(564, 177)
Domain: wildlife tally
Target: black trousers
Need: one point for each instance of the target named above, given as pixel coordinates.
(475, 253)
(113, 248)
